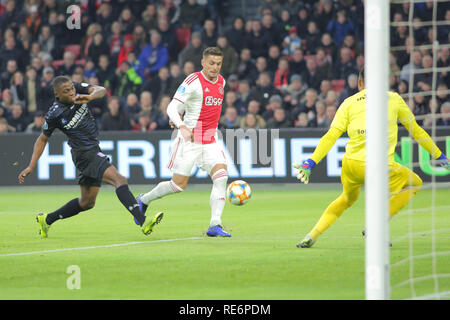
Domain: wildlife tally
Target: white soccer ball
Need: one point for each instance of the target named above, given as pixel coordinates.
(239, 192)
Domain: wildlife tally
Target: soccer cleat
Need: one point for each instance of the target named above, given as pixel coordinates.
(217, 231)
(147, 226)
(143, 207)
(306, 243)
(43, 230)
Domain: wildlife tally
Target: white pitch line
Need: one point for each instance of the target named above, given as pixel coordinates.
(96, 247)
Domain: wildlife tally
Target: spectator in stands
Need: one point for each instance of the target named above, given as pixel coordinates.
(18, 88)
(340, 27)
(332, 98)
(264, 89)
(350, 89)
(325, 86)
(127, 47)
(230, 100)
(243, 97)
(33, 21)
(281, 79)
(279, 119)
(4, 126)
(351, 43)
(193, 52)
(209, 33)
(192, 15)
(68, 66)
(324, 63)
(312, 38)
(46, 39)
(236, 34)
(301, 22)
(7, 102)
(326, 42)
(17, 119)
(45, 93)
(12, 17)
(161, 118)
(272, 59)
(149, 18)
(126, 20)
(324, 14)
(445, 115)
(257, 41)
(308, 106)
(97, 48)
(272, 5)
(260, 66)
(249, 121)
(140, 37)
(425, 78)
(245, 68)
(231, 119)
(38, 123)
(302, 121)
(291, 42)
(144, 123)
(177, 76)
(441, 93)
(114, 40)
(271, 29)
(114, 118)
(420, 107)
(105, 72)
(233, 83)
(10, 51)
(159, 85)
(322, 119)
(275, 102)
(127, 80)
(295, 91)
(254, 107)
(410, 68)
(168, 37)
(5, 77)
(345, 65)
(230, 57)
(312, 75)
(153, 57)
(31, 91)
(331, 112)
(105, 17)
(443, 61)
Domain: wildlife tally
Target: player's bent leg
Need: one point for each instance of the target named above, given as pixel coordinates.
(404, 185)
(113, 177)
(219, 177)
(164, 188)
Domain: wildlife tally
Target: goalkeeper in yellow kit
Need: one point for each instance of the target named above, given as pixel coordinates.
(351, 117)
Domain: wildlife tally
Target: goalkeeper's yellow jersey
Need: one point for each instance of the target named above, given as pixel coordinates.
(351, 117)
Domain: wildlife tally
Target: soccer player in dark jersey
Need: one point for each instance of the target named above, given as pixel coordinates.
(70, 114)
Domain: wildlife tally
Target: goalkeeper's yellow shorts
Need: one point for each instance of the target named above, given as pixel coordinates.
(353, 174)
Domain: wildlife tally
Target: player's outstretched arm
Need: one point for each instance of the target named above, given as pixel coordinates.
(39, 146)
(303, 170)
(95, 92)
(424, 139)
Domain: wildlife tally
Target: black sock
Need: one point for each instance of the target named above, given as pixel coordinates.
(126, 197)
(68, 210)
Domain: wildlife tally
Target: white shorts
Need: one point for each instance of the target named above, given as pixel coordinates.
(185, 154)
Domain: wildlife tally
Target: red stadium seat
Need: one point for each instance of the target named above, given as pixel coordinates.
(57, 63)
(338, 85)
(183, 37)
(74, 48)
(81, 62)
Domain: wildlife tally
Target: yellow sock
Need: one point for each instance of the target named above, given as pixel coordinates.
(334, 211)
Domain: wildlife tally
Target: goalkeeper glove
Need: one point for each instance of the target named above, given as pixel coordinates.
(303, 171)
(444, 161)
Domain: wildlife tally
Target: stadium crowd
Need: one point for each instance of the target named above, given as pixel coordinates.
(291, 66)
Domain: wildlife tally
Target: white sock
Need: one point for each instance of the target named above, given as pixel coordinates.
(162, 189)
(217, 199)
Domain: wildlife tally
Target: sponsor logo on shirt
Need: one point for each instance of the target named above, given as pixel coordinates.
(76, 119)
(211, 101)
(181, 89)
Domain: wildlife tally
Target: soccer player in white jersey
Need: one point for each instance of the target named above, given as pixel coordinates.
(200, 98)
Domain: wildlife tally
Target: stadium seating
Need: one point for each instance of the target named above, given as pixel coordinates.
(183, 37)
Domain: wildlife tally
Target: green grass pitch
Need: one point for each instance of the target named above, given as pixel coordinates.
(260, 261)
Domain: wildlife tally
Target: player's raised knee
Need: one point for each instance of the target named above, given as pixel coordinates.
(87, 204)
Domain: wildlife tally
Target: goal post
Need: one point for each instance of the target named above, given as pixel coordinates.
(376, 53)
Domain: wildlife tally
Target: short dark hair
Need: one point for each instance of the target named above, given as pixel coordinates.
(213, 51)
(60, 80)
(361, 74)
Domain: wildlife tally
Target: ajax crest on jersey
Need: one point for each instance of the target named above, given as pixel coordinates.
(239, 192)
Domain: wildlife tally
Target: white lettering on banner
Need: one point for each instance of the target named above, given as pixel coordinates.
(164, 157)
(246, 161)
(64, 159)
(125, 160)
(297, 150)
(334, 157)
(279, 157)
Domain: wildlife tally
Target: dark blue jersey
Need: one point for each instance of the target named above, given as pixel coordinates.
(74, 120)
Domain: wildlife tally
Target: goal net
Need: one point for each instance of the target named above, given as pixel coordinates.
(419, 259)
